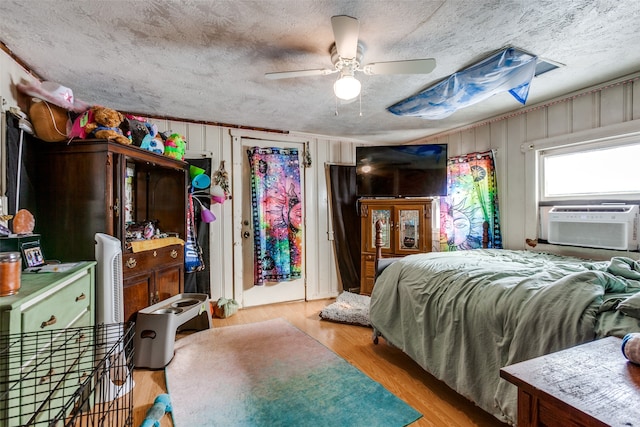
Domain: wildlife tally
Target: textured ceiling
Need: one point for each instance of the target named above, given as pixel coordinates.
(205, 60)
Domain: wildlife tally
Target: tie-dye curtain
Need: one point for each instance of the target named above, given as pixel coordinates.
(277, 214)
(472, 200)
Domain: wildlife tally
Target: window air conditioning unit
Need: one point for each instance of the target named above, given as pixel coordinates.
(597, 226)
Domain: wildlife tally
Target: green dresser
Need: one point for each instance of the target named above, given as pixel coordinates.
(46, 308)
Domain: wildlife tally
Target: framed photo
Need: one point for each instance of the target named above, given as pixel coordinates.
(32, 254)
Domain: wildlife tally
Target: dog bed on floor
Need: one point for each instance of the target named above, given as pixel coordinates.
(349, 308)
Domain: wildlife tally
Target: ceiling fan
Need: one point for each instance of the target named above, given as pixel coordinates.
(346, 56)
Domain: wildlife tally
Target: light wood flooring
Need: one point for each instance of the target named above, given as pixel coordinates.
(439, 405)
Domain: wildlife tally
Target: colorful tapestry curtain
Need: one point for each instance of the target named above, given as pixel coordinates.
(471, 202)
(277, 214)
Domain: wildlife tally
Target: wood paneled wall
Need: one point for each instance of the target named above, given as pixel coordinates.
(607, 109)
(594, 109)
(217, 142)
(10, 73)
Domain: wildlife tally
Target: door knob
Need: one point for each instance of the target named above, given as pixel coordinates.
(246, 234)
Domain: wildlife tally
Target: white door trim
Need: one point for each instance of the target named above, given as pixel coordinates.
(238, 140)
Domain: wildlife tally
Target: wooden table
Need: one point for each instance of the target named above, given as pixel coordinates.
(588, 385)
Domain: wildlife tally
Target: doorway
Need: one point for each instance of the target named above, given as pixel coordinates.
(246, 291)
(200, 281)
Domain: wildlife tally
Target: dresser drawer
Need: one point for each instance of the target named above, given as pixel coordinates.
(60, 309)
(134, 263)
(52, 371)
(86, 319)
(43, 380)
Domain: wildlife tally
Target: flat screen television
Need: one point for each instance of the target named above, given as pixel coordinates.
(401, 170)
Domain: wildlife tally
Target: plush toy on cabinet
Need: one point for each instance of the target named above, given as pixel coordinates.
(78, 128)
(106, 124)
(155, 145)
(139, 128)
(175, 146)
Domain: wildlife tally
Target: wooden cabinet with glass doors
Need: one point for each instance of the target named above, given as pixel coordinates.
(405, 227)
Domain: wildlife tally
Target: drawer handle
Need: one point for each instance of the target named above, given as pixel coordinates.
(81, 297)
(47, 377)
(49, 322)
(132, 262)
(155, 254)
(174, 254)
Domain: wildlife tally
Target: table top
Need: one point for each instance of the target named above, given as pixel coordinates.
(594, 378)
(33, 283)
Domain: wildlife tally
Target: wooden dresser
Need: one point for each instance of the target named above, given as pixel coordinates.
(45, 303)
(587, 385)
(406, 229)
(97, 186)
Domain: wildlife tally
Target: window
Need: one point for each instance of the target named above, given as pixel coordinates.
(601, 170)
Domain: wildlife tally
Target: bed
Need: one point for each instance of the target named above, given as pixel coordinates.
(464, 315)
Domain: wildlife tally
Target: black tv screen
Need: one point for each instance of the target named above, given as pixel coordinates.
(401, 170)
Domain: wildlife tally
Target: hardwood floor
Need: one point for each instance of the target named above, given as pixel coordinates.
(439, 405)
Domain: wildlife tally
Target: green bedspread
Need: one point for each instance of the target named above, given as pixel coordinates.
(464, 315)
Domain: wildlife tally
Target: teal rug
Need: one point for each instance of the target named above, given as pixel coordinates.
(272, 374)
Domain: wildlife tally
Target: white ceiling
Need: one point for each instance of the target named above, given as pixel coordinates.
(206, 60)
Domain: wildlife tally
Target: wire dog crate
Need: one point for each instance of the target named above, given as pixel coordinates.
(68, 377)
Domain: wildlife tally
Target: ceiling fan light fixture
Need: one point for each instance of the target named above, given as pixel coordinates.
(347, 87)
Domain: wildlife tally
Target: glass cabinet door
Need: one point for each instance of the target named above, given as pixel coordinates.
(408, 229)
(129, 193)
(384, 215)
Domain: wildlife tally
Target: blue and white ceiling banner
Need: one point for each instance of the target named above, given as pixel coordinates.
(508, 70)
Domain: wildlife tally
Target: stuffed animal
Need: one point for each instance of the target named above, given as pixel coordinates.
(152, 144)
(106, 124)
(175, 146)
(139, 128)
(79, 125)
(631, 347)
(160, 406)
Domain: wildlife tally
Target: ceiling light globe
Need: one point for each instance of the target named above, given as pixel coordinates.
(347, 87)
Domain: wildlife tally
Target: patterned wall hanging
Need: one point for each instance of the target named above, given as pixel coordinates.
(472, 200)
(277, 214)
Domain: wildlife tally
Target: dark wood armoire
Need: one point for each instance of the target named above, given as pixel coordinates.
(89, 186)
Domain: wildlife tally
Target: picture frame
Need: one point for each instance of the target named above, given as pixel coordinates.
(32, 254)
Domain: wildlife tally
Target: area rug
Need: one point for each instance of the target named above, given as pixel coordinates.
(348, 308)
(272, 374)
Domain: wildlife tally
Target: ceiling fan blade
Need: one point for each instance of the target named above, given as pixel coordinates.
(412, 66)
(345, 32)
(299, 73)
